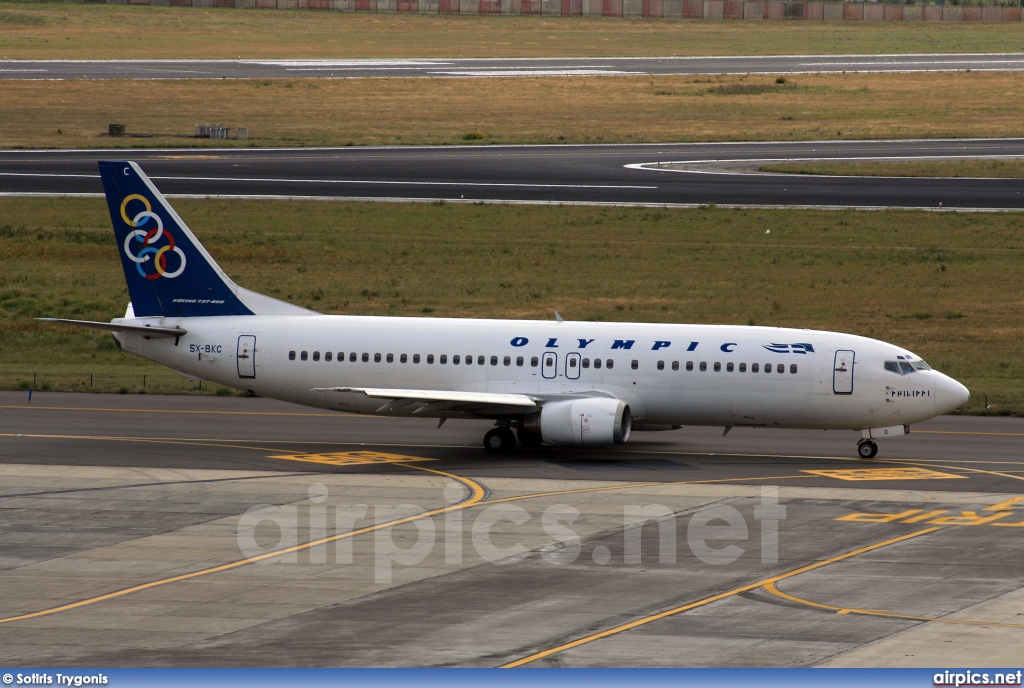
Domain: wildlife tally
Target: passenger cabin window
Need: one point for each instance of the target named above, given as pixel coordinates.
(572, 362)
(480, 360)
(597, 363)
(661, 365)
(609, 364)
(507, 360)
(635, 364)
(352, 357)
(366, 357)
(376, 358)
(404, 358)
(494, 360)
(430, 359)
(327, 356)
(341, 357)
(767, 367)
(534, 361)
(291, 355)
(519, 361)
(415, 358)
(728, 367)
(391, 358)
(675, 365)
(443, 359)
(316, 355)
(469, 360)
(689, 365)
(780, 368)
(718, 367)
(743, 367)
(703, 366)
(304, 355)
(792, 368)
(754, 367)
(455, 359)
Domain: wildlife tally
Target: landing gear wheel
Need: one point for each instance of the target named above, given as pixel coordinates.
(499, 441)
(867, 449)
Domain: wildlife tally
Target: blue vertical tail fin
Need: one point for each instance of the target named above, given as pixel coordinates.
(169, 273)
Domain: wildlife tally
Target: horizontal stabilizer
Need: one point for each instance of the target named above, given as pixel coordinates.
(146, 330)
(430, 395)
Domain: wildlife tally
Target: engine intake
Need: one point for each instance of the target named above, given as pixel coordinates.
(580, 423)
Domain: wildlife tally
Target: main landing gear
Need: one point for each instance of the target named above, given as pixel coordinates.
(501, 441)
(867, 449)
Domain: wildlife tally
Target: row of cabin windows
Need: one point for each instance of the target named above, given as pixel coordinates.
(730, 367)
(353, 357)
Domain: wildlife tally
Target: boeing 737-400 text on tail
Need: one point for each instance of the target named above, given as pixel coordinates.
(557, 383)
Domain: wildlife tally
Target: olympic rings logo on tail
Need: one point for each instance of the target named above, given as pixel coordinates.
(148, 239)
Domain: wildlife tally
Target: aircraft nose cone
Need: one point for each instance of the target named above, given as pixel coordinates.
(949, 394)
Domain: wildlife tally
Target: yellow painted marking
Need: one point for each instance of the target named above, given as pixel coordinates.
(708, 600)
(858, 474)
(477, 493)
(924, 516)
(1005, 506)
(356, 458)
(771, 587)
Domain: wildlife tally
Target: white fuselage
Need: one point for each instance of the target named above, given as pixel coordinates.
(668, 374)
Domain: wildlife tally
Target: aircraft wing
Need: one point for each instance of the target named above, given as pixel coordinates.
(432, 401)
(114, 327)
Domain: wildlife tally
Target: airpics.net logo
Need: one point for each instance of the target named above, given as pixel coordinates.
(967, 678)
(149, 244)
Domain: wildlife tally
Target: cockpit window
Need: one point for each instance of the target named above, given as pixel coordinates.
(906, 366)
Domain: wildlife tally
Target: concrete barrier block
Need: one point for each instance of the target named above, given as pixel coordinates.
(814, 11)
(971, 13)
(202, 3)
(167, 3)
(469, 6)
(714, 9)
(732, 9)
(427, 7)
(654, 8)
(490, 6)
(950, 13)
(286, 4)
(991, 14)
(242, 4)
(913, 13)
(694, 9)
(612, 8)
(931, 13)
(853, 11)
(532, 7)
(511, 7)
(632, 8)
(593, 8)
(874, 12)
(833, 11)
(753, 10)
(123, 2)
(138, 2)
(672, 9)
(775, 9)
(1012, 14)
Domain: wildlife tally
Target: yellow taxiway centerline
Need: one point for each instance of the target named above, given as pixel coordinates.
(708, 600)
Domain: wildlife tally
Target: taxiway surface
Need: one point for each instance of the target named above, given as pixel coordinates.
(654, 174)
(213, 531)
(503, 67)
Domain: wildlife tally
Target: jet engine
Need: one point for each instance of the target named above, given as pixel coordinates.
(579, 422)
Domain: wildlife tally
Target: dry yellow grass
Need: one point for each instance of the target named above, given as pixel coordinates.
(1009, 168)
(520, 110)
(73, 31)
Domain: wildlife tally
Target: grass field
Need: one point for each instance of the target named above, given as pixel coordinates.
(945, 285)
(78, 31)
(519, 110)
(1009, 168)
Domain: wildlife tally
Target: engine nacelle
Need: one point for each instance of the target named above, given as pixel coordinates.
(581, 423)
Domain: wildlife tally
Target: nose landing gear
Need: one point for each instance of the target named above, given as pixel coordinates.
(867, 449)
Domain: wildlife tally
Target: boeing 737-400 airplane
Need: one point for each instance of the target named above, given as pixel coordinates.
(555, 383)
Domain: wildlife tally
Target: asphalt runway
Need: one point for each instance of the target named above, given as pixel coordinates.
(230, 531)
(653, 174)
(502, 67)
